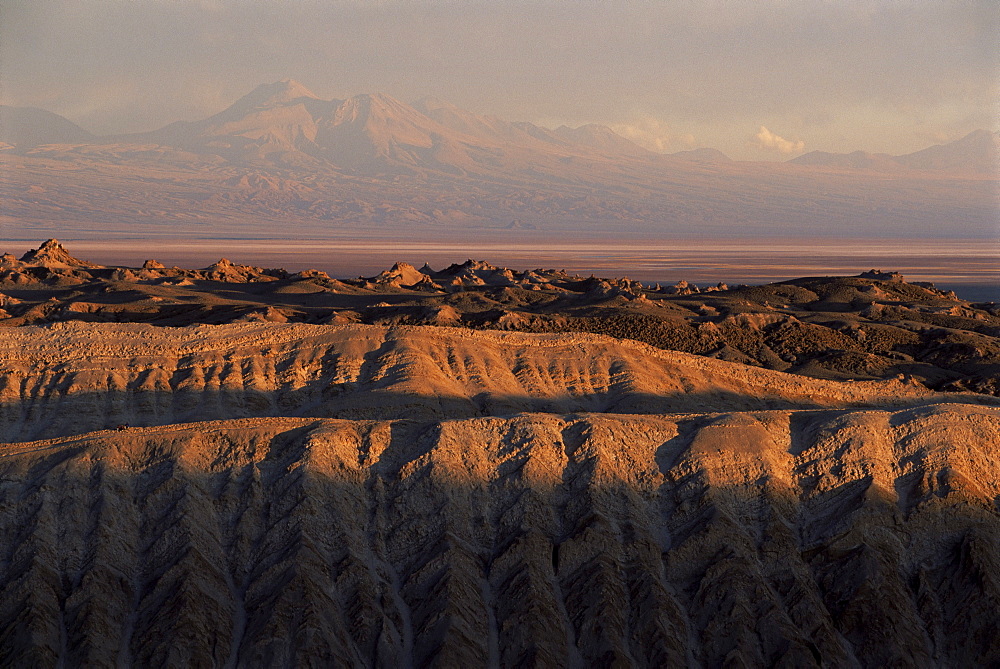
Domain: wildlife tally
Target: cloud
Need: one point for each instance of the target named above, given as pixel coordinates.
(768, 141)
(655, 135)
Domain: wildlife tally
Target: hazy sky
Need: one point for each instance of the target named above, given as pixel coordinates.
(762, 80)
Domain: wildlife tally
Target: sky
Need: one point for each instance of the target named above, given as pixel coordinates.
(762, 80)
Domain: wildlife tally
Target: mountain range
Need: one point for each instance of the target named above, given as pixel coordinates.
(977, 152)
(374, 164)
(375, 133)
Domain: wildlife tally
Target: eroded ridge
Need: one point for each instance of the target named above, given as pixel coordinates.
(73, 378)
(871, 326)
(801, 538)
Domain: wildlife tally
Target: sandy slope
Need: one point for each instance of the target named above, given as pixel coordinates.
(75, 377)
(865, 537)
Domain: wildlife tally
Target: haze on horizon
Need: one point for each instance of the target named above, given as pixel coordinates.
(764, 82)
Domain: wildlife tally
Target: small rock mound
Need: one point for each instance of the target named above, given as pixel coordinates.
(401, 274)
(229, 272)
(53, 254)
(882, 276)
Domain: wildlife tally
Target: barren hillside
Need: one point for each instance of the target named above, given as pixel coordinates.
(872, 326)
(422, 490)
(71, 378)
(809, 538)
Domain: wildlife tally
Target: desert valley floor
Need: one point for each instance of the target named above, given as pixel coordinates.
(477, 466)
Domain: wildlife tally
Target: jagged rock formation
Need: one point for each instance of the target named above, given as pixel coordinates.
(809, 538)
(53, 254)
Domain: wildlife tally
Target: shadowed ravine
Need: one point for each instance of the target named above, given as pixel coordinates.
(294, 495)
(771, 538)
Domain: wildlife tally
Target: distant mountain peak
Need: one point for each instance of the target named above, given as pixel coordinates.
(266, 96)
(978, 152)
(26, 127)
(980, 135)
(703, 155)
(588, 129)
(282, 91)
(367, 108)
(378, 100)
(600, 137)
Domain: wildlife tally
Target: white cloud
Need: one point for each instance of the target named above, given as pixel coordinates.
(655, 135)
(768, 141)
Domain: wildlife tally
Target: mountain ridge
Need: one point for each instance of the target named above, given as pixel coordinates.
(288, 93)
(363, 131)
(852, 538)
(372, 164)
(977, 152)
(31, 126)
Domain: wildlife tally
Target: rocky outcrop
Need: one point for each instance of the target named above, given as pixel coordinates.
(53, 254)
(882, 276)
(229, 272)
(873, 326)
